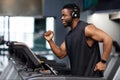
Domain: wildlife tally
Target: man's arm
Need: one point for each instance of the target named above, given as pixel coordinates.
(100, 36)
(60, 52)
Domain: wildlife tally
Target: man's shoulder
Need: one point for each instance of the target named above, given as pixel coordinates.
(83, 23)
(89, 29)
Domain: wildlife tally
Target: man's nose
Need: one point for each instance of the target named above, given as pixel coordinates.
(61, 17)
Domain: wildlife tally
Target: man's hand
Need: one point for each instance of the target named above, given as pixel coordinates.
(48, 35)
(100, 66)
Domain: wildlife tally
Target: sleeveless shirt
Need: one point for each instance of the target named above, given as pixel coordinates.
(82, 57)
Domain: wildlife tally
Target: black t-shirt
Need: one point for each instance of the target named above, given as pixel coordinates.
(82, 57)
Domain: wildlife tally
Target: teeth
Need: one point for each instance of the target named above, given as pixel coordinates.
(63, 22)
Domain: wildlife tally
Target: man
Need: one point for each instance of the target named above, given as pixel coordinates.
(81, 44)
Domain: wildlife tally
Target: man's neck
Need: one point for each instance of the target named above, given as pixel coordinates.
(74, 24)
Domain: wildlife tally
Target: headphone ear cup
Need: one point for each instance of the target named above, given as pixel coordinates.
(75, 13)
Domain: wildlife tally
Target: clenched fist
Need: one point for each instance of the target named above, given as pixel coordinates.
(48, 35)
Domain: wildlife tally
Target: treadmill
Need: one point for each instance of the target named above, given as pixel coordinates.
(24, 63)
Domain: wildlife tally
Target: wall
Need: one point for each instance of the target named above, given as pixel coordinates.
(102, 21)
(21, 7)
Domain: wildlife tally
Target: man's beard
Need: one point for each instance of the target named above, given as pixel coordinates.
(68, 23)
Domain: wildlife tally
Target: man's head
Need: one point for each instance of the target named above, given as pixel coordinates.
(70, 12)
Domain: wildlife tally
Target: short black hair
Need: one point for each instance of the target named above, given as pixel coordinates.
(74, 8)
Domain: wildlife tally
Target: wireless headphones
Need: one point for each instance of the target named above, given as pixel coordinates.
(75, 10)
(75, 13)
